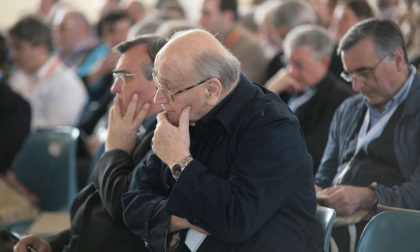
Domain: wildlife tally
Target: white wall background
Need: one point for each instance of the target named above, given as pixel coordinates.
(11, 10)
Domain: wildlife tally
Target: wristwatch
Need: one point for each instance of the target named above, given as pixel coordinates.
(179, 167)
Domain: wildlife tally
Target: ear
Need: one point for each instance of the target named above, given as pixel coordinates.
(213, 91)
(399, 60)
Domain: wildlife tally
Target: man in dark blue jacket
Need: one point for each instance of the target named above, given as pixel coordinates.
(229, 170)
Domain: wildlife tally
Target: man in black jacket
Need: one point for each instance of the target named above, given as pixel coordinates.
(229, 166)
(96, 214)
(308, 87)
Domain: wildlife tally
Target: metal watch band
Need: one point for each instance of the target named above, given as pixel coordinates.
(179, 167)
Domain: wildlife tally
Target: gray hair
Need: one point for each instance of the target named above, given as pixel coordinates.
(153, 44)
(222, 65)
(385, 34)
(225, 67)
(314, 36)
(292, 14)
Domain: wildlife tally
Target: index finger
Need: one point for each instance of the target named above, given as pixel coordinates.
(141, 115)
(184, 118)
(132, 106)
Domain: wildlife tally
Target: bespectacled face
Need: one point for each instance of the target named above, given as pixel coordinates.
(129, 78)
(377, 83)
(175, 95)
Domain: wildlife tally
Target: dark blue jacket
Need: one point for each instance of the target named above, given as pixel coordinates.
(250, 184)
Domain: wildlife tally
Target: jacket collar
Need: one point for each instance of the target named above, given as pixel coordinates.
(232, 105)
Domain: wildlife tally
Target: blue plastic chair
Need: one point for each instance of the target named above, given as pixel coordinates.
(47, 167)
(391, 231)
(326, 216)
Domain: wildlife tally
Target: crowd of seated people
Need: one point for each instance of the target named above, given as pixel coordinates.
(350, 86)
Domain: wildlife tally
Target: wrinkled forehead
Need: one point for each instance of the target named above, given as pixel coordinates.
(171, 63)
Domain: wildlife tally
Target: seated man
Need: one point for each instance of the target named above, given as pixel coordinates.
(229, 160)
(77, 45)
(96, 214)
(310, 89)
(372, 155)
(55, 93)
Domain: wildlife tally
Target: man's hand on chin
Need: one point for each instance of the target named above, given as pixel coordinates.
(172, 143)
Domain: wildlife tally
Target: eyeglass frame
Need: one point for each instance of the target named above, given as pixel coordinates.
(363, 74)
(117, 75)
(172, 94)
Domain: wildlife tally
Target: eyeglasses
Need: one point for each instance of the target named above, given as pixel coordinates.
(170, 93)
(362, 74)
(121, 76)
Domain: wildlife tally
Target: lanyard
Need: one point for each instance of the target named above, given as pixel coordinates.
(51, 67)
(233, 38)
(365, 135)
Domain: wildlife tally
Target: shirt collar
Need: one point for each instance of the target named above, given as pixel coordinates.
(397, 98)
(240, 96)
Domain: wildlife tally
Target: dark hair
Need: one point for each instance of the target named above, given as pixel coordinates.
(153, 45)
(385, 34)
(4, 52)
(360, 8)
(110, 18)
(4, 57)
(33, 30)
(229, 5)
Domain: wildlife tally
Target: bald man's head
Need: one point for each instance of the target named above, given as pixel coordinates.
(195, 55)
(71, 29)
(79, 20)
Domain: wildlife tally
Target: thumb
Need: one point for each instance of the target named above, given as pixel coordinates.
(184, 119)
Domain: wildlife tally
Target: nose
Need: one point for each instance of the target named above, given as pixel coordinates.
(116, 87)
(356, 84)
(292, 70)
(160, 97)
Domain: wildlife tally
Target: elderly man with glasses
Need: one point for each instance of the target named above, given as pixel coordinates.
(229, 169)
(372, 155)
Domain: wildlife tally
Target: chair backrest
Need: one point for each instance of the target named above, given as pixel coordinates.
(326, 216)
(391, 231)
(47, 166)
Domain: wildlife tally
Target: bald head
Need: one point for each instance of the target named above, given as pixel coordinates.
(71, 28)
(196, 55)
(78, 21)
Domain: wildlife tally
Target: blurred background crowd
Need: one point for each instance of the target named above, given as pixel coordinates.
(56, 59)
